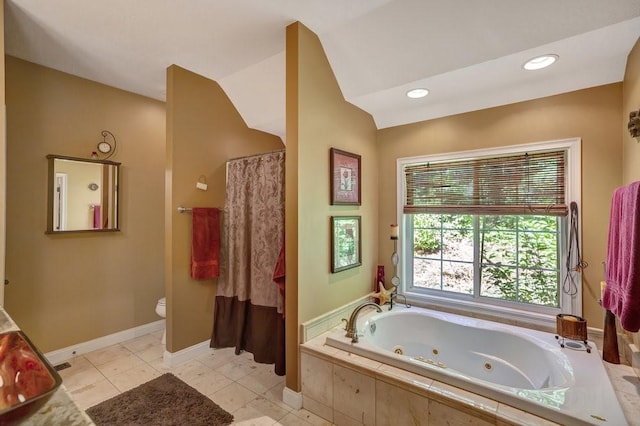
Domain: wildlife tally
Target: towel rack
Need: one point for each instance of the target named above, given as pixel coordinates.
(184, 209)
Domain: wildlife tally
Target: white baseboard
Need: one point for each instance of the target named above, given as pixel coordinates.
(171, 359)
(64, 354)
(292, 398)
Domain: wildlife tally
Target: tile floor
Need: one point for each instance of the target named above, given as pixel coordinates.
(250, 391)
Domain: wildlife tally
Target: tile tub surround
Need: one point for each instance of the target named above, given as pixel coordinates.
(516, 366)
(334, 383)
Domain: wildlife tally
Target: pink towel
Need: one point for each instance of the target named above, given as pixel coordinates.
(622, 294)
(205, 243)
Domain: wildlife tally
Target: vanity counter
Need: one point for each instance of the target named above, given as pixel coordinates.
(60, 409)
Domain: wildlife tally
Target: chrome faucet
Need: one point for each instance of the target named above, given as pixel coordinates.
(352, 330)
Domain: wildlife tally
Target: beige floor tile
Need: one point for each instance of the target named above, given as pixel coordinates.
(232, 397)
(158, 364)
(275, 396)
(309, 417)
(120, 365)
(624, 379)
(237, 368)
(210, 383)
(112, 353)
(247, 416)
(103, 374)
(268, 408)
(217, 357)
(151, 353)
(79, 375)
(261, 380)
(630, 406)
(293, 420)
(141, 343)
(134, 377)
(158, 334)
(76, 362)
(191, 371)
(90, 395)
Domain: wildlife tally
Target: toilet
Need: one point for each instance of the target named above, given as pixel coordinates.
(161, 309)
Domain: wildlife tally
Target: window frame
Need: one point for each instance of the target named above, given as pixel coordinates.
(482, 305)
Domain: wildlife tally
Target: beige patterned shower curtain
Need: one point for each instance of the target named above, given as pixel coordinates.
(248, 305)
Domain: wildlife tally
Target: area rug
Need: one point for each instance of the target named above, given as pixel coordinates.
(165, 400)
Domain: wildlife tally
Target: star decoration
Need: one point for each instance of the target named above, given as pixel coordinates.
(384, 295)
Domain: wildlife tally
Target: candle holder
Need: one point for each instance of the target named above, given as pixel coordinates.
(394, 260)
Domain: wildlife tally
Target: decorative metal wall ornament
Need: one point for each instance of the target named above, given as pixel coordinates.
(106, 147)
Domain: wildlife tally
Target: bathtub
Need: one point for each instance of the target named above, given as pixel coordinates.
(524, 368)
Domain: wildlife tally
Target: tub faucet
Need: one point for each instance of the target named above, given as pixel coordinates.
(352, 330)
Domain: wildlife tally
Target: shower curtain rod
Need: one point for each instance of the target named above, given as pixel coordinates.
(257, 155)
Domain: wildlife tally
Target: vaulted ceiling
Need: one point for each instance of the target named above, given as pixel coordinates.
(469, 54)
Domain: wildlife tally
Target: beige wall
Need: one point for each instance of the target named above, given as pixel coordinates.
(319, 118)
(67, 289)
(591, 114)
(630, 146)
(631, 102)
(204, 130)
(3, 159)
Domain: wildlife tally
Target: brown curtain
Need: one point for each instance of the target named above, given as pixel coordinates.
(248, 307)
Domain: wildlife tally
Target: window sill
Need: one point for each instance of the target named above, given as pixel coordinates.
(502, 314)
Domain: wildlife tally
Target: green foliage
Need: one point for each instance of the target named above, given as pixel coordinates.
(518, 254)
(520, 262)
(425, 242)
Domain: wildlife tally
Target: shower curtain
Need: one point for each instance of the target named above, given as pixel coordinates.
(248, 306)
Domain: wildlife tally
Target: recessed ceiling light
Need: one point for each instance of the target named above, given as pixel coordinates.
(540, 62)
(417, 93)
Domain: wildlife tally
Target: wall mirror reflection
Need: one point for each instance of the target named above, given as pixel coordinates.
(83, 195)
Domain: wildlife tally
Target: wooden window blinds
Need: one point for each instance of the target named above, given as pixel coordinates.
(526, 183)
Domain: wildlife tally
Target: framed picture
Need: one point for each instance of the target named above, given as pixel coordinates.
(346, 245)
(346, 175)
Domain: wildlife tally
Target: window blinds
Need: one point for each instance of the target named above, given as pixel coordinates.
(527, 183)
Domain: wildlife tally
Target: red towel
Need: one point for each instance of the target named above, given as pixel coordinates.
(205, 243)
(280, 272)
(96, 217)
(622, 294)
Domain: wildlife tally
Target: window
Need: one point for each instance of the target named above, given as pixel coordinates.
(489, 227)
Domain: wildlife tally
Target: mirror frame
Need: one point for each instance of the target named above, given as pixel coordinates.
(50, 185)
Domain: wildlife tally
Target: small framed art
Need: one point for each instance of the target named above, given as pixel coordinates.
(346, 175)
(346, 244)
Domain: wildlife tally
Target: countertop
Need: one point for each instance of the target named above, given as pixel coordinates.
(60, 409)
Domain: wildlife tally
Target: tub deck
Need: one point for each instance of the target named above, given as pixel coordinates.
(586, 397)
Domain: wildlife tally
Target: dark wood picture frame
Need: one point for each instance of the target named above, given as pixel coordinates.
(346, 175)
(346, 242)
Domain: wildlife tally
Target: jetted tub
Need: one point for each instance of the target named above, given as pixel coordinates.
(523, 368)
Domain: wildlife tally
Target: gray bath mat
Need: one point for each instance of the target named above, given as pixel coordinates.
(166, 400)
